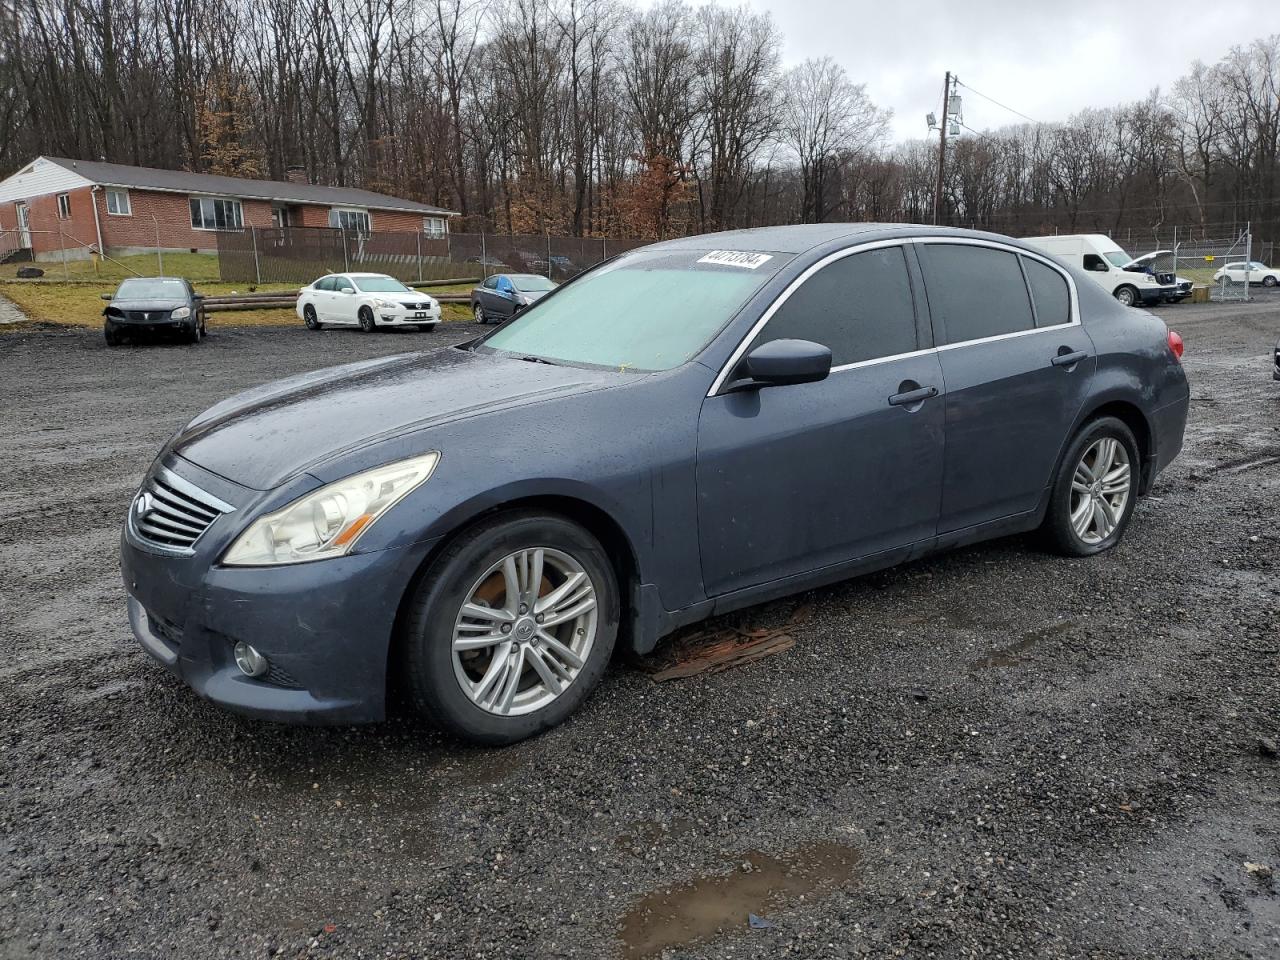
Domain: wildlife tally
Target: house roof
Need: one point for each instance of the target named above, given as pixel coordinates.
(182, 181)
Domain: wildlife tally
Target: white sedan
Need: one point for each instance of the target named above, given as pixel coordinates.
(366, 300)
(1257, 273)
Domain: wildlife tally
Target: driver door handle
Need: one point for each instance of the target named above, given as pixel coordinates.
(918, 395)
(1069, 359)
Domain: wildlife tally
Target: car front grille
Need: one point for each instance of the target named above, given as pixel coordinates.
(417, 306)
(173, 513)
(148, 316)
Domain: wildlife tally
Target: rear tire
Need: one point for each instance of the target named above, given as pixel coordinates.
(1127, 295)
(1090, 511)
(309, 317)
(469, 572)
(367, 323)
(1269, 281)
(477, 311)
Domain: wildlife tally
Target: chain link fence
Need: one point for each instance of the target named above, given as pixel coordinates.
(300, 254)
(1222, 265)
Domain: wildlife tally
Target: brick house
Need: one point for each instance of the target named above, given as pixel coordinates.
(54, 205)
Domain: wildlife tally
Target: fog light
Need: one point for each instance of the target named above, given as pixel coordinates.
(250, 661)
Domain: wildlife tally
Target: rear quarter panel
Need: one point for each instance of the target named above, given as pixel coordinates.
(1136, 366)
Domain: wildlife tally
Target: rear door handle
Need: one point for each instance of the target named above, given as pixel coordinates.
(913, 396)
(1069, 359)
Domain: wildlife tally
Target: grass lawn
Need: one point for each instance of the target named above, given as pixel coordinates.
(196, 267)
(80, 303)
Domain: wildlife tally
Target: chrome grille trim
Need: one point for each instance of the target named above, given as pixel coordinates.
(171, 514)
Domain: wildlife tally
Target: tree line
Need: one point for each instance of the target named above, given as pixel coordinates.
(594, 118)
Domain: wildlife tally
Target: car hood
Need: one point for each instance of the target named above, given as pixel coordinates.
(1142, 262)
(134, 304)
(264, 436)
(403, 297)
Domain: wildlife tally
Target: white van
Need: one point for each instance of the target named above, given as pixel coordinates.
(1104, 261)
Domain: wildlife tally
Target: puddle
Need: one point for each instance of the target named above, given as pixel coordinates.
(697, 911)
(1016, 654)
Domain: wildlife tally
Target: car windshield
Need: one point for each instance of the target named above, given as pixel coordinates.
(151, 289)
(379, 285)
(532, 283)
(648, 310)
(1118, 258)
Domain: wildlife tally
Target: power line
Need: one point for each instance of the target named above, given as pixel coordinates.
(997, 102)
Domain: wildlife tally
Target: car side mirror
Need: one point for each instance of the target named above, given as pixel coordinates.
(348, 290)
(1100, 268)
(783, 362)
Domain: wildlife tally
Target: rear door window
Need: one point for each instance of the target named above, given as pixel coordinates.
(974, 292)
(1049, 293)
(859, 306)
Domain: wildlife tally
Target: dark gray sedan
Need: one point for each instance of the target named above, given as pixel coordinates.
(504, 295)
(148, 305)
(688, 429)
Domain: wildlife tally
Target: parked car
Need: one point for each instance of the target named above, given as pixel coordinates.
(150, 305)
(1106, 264)
(1159, 263)
(690, 428)
(366, 300)
(504, 295)
(1255, 271)
(1275, 372)
(492, 263)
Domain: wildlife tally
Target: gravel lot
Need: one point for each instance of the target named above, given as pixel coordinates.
(994, 753)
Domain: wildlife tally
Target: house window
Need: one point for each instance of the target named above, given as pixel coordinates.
(434, 226)
(118, 203)
(209, 213)
(64, 206)
(357, 220)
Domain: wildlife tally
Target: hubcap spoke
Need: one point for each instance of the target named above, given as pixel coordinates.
(516, 653)
(1100, 488)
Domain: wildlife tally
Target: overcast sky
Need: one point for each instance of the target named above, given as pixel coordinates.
(1044, 60)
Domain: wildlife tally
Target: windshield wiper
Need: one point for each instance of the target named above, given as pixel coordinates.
(539, 360)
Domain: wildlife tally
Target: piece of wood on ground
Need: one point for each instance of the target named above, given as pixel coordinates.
(713, 651)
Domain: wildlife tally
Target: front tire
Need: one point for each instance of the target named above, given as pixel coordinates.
(111, 335)
(1095, 491)
(367, 323)
(510, 628)
(1127, 295)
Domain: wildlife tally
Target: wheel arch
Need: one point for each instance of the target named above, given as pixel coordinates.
(621, 552)
(1131, 415)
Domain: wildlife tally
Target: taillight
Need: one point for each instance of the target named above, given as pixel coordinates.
(1175, 344)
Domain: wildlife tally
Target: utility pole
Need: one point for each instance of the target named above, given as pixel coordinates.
(942, 147)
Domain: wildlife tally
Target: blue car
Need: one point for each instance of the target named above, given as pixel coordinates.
(687, 429)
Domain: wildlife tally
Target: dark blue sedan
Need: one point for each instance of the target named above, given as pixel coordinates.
(684, 430)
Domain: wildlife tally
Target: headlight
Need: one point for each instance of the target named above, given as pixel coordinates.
(181, 313)
(379, 302)
(327, 522)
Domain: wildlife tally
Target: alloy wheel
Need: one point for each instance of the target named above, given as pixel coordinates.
(478, 311)
(525, 631)
(1100, 488)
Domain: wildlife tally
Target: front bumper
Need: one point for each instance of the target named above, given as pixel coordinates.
(395, 316)
(325, 627)
(1160, 294)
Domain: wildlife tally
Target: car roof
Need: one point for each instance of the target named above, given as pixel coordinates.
(802, 237)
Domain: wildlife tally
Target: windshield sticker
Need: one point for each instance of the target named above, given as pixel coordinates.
(736, 258)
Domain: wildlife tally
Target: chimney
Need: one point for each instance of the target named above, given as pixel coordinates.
(296, 174)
